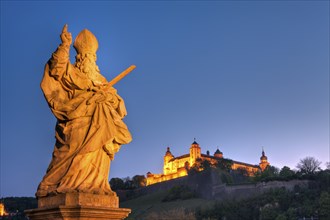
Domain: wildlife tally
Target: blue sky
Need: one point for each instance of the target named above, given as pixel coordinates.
(237, 75)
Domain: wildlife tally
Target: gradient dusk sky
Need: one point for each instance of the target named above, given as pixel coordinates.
(238, 75)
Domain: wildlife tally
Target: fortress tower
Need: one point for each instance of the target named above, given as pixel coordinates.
(195, 152)
(167, 166)
(263, 161)
(218, 154)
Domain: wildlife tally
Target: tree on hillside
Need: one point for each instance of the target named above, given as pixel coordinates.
(324, 202)
(270, 173)
(128, 183)
(308, 165)
(286, 172)
(196, 167)
(327, 165)
(117, 183)
(139, 181)
(206, 165)
(224, 164)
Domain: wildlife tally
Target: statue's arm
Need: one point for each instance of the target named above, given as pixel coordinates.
(117, 102)
(54, 90)
(61, 57)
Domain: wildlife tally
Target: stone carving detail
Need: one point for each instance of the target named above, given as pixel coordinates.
(89, 113)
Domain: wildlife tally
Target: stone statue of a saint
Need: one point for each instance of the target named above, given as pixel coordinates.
(89, 128)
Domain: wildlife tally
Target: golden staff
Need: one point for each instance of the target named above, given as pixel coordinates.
(121, 75)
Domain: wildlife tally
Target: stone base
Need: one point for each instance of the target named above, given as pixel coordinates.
(84, 199)
(78, 206)
(77, 213)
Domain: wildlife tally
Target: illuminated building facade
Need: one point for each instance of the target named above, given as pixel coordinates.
(175, 167)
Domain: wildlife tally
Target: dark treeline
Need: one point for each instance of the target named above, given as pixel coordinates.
(15, 206)
(128, 183)
(307, 168)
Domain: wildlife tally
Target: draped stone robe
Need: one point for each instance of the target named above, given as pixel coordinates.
(89, 128)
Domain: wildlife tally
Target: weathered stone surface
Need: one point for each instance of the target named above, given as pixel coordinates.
(74, 199)
(79, 212)
(89, 112)
(89, 132)
(74, 206)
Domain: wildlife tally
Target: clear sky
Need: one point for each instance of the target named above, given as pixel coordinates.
(237, 75)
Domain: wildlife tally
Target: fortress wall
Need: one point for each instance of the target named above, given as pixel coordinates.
(201, 184)
(162, 186)
(208, 185)
(224, 191)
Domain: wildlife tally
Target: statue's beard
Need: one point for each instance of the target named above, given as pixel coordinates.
(88, 67)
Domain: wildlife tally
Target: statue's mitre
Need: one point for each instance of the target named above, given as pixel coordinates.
(86, 42)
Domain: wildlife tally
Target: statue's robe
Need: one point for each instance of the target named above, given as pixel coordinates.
(89, 129)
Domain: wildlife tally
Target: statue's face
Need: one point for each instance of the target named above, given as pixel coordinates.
(86, 63)
(81, 57)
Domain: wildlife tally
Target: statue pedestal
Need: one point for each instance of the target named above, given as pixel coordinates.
(78, 206)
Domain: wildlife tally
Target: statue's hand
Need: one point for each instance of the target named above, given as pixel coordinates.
(101, 95)
(66, 36)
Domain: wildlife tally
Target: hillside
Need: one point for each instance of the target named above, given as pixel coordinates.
(276, 204)
(304, 197)
(189, 198)
(152, 207)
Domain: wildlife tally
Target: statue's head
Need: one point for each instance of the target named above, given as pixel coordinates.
(86, 46)
(86, 42)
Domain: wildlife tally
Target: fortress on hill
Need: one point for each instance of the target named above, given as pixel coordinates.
(175, 167)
